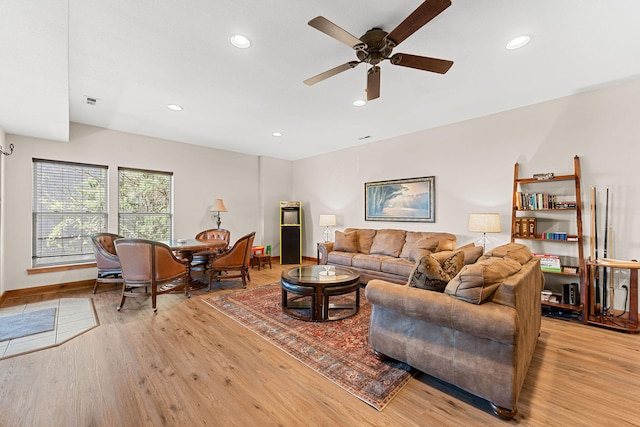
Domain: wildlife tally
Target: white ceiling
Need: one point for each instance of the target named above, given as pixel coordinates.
(137, 56)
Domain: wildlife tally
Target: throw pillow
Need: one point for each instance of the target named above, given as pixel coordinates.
(432, 275)
(477, 282)
(453, 264)
(346, 242)
(471, 253)
(388, 242)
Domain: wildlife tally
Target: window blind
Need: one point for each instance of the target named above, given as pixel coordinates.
(145, 204)
(69, 204)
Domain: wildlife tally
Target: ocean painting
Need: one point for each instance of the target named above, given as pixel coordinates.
(400, 200)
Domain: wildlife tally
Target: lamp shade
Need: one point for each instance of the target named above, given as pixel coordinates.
(484, 222)
(327, 220)
(218, 206)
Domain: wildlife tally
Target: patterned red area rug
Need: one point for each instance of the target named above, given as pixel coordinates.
(337, 350)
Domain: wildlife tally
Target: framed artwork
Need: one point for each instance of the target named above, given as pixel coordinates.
(408, 200)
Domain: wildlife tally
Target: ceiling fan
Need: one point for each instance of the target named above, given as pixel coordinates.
(376, 45)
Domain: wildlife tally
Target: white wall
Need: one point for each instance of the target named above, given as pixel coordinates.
(200, 175)
(4, 147)
(473, 164)
(276, 186)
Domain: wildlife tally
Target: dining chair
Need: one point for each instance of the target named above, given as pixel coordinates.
(200, 260)
(235, 259)
(150, 264)
(107, 261)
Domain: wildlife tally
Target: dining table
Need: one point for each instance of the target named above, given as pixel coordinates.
(186, 248)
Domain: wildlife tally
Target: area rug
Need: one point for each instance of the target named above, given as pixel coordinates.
(337, 350)
(29, 323)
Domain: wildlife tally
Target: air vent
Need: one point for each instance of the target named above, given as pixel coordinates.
(90, 101)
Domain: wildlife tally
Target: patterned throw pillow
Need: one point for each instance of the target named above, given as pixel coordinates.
(346, 242)
(431, 275)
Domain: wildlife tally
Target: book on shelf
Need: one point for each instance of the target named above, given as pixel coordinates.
(525, 227)
(549, 263)
(543, 176)
(539, 201)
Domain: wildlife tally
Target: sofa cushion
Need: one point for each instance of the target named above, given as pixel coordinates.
(431, 274)
(516, 251)
(365, 240)
(476, 282)
(397, 266)
(369, 262)
(346, 242)
(414, 250)
(340, 258)
(388, 242)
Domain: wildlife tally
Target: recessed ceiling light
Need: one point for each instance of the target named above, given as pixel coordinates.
(240, 41)
(359, 102)
(518, 42)
(277, 134)
(174, 107)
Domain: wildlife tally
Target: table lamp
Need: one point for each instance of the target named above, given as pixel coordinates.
(327, 221)
(218, 206)
(484, 223)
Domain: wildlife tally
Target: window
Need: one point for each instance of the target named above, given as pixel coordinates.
(145, 204)
(69, 204)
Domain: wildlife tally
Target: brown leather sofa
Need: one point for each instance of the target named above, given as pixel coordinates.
(382, 254)
(479, 334)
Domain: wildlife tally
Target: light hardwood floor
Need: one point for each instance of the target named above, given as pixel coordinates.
(189, 365)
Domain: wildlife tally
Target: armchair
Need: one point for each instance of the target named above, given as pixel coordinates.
(107, 261)
(235, 259)
(149, 264)
(200, 260)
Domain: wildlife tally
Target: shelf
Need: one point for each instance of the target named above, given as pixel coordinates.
(561, 306)
(547, 240)
(562, 273)
(539, 181)
(542, 210)
(522, 219)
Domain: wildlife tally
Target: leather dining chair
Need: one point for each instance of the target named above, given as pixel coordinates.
(200, 260)
(149, 264)
(235, 259)
(107, 261)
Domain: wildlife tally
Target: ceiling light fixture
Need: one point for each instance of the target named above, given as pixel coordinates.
(240, 41)
(518, 42)
(174, 107)
(359, 102)
(277, 134)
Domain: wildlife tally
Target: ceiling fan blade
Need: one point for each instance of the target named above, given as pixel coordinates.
(332, 72)
(434, 65)
(329, 28)
(412, 23)
(373, 83)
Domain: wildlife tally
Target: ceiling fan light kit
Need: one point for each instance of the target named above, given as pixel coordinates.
(376, 45)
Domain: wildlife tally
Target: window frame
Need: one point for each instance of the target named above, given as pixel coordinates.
(122, 216)
(80, 216)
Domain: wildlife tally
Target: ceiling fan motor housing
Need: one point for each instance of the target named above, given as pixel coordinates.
(377, 47)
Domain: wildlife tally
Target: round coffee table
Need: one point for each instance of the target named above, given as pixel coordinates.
(312, 286)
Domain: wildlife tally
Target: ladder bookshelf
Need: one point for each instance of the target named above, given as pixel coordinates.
(547, 216)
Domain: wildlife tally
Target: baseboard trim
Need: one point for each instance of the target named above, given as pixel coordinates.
(39, 290)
